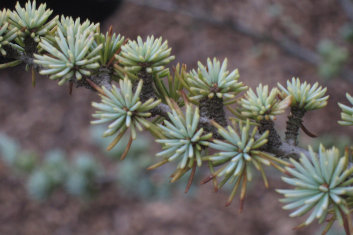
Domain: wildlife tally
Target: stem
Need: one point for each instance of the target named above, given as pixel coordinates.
(293, 124)
(30, 46)
(101, 78)
(147, 91)
(213, 109)
(286, 150)
(274, 140)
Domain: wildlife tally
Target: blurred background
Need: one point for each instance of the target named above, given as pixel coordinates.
(45, 131)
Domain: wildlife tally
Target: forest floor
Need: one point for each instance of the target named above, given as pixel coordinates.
(47, 117)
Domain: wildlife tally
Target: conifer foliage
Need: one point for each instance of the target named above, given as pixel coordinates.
(185, 110)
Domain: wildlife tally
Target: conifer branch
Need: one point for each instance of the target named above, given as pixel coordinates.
(185, 111)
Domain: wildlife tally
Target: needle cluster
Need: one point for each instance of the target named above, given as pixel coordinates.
(122, 108)
(151, 55)
(321, 185)
(263, 105)
(305, 96)
(347, 112)
(214, 80)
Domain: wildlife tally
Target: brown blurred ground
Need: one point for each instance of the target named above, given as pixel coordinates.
(47, 117)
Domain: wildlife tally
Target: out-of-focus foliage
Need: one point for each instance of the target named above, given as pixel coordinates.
(54, 172)
(347, 32)
(276, 12)
(13, 156)
(83, 175)
(48, 176)
(132, 177)
(333, 58)
(82, 178)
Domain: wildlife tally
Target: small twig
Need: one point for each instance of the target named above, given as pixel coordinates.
(33, 77)
(95, 86)
(147, 91)
(306, 131)
(70, 88)
(274, 140)
(286, 150)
